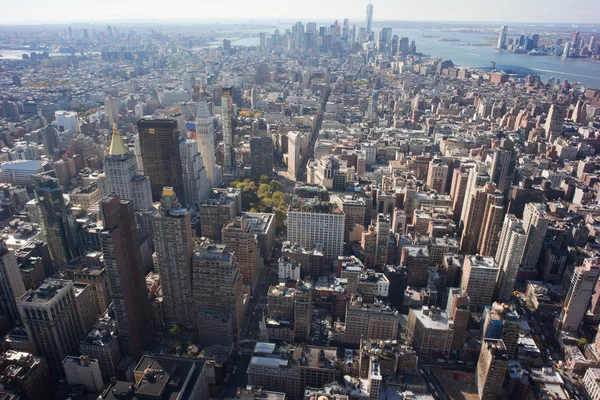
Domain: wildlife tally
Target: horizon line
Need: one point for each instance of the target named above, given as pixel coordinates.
(251, 21)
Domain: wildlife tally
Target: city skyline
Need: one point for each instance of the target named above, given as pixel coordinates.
(437, 10)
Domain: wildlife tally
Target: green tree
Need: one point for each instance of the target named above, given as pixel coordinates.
(264, 179)
(276, 186)
(174, 332)
(264, 190)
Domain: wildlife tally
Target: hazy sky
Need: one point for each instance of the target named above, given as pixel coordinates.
(33, 11)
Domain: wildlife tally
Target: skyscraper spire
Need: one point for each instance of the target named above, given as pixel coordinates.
(117, 147)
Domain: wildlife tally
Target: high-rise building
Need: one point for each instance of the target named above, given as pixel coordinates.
(11, 282)
(123, 264)
(303, 310)
(535, 223)
(84, 371)
(238, 236)
(51, 314)
(312, 223)
(383, 231)
(437, 175)
(68, 120)
(261, 156)
(205, 136)
(501, 321)
(218, 294)
(174, 245)
(430, 331)
(122, 177)
(509, 255)
(554, 121)
(294, 153)
(111, 107)
(491, 369)
(479, 280)
(102, 344)
(483, 221)
(196, 185)
(369, 20)
(579, 294)
(221, 206)
(502, 37)
(159, 144)
(95, 278)
(229, 164)
(477, 177)
(458, 310)
(56, 220)
(504, 164)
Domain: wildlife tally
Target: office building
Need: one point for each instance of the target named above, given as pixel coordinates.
(205, 137)
(257, 392)
(220, 207)
(303, 310)
(591, 383)
(276, 367)
(122, 261)
(164, 377)
(583, 282)
(102, 344)
(159, 145)
(369, 21)
(416, 260)
(229, 164)
(261, 156)
(56, 220)
(27, 374)
(294, 160)
(483, 221)
(173, 246)
(479, 278)
(53, 321)
(239, 238)
(437, 175)
(430, 331)
(122, 177)
(84, 371)
(502, 38)
(218, 293)
(535, 224)
(504, 163)
(312, 223)
(509, 255)
(95, 278)
(458, 310)
(67, 121)
(196, 185)
(370, 321)
(11, 282)
(501, 321)
(554, 121)
(382, 228)
(491, 369)
(263, 226)
(317, 366)
(111, 108)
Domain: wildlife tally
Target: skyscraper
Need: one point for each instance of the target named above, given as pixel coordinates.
(11, 282)
(261, 156)
(502, 37)
(579, 294)
(437, 175)
(458, 310)
(122, 177)
(174, 245)
(554, 121)
(369, 20)
(491, 369)
(535, 223)
(56, 220)
(479, 280)
(159, 144)
(228, 154)
(53, 319)
(483, 221)
(122, 260)
(205, 136)
(312, 224)
(239, 238)
(504, 165)
(196, 185)
(218, 293)
(509, 255)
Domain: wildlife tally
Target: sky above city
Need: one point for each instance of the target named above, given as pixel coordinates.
(506, 11)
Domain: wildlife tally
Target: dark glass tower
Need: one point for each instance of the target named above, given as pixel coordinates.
(159, 144)
(124, 271)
